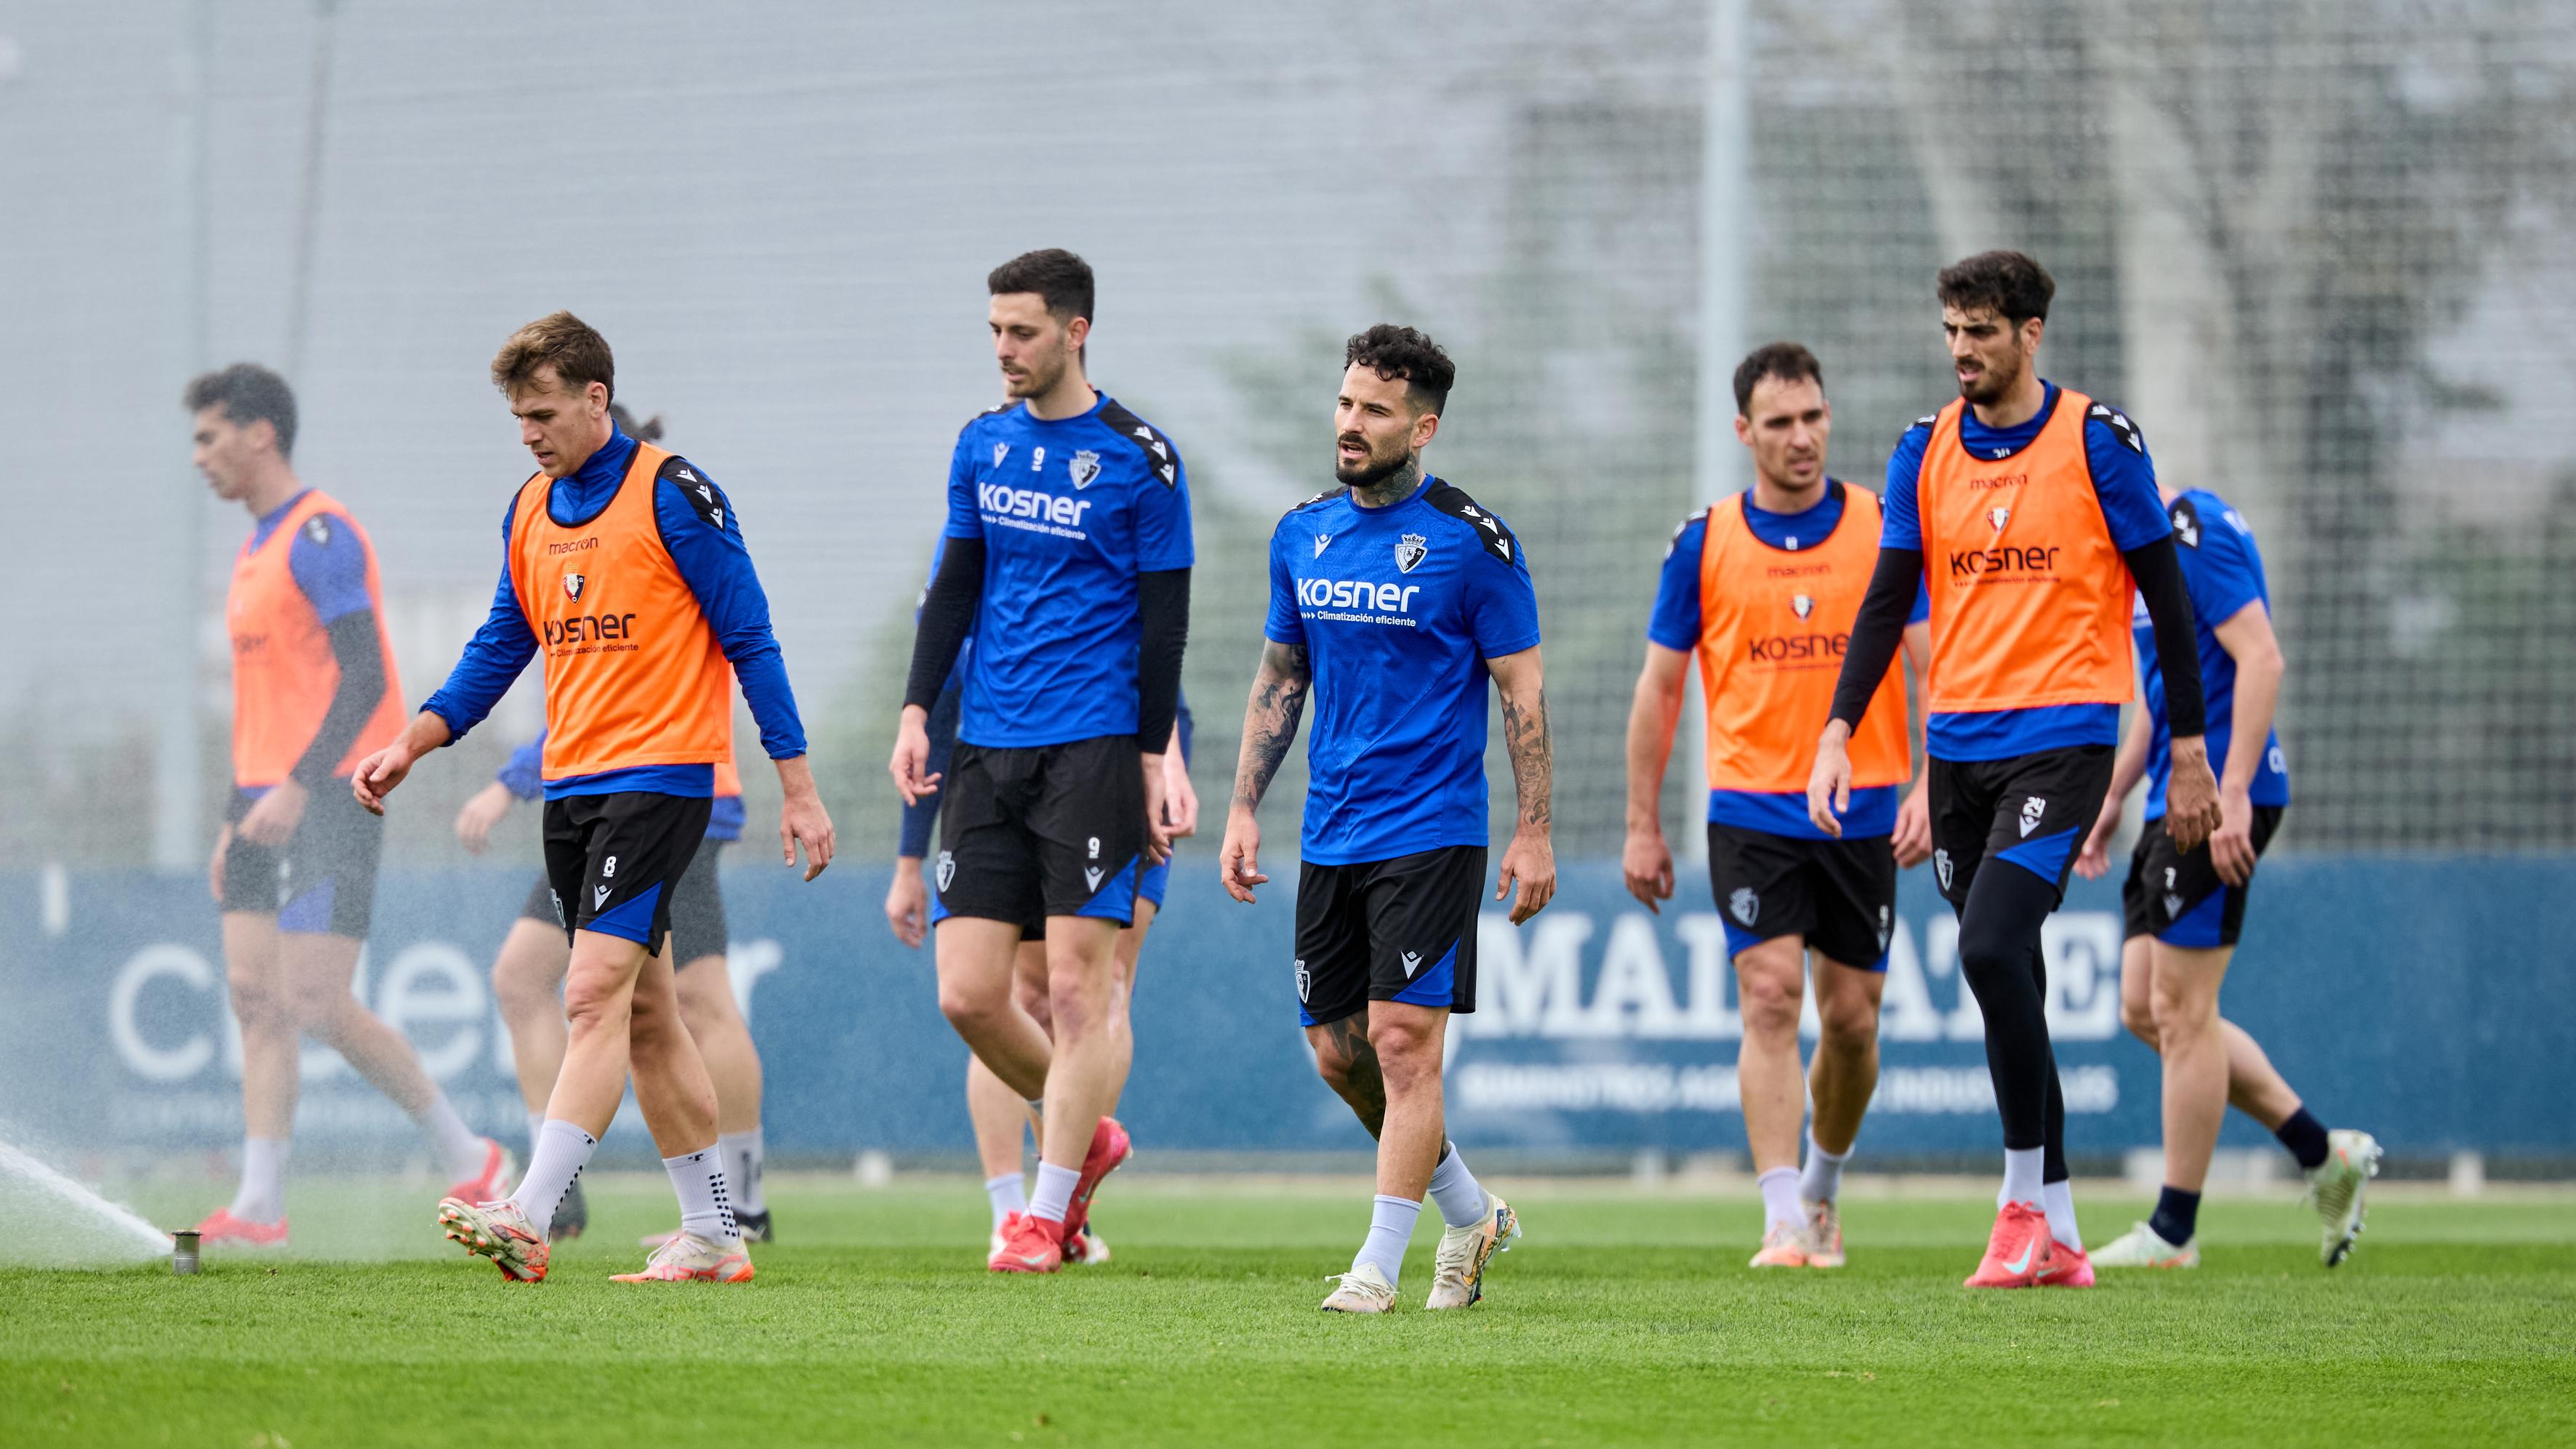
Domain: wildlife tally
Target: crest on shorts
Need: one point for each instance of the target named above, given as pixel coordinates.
(1744, 905)
(1410, 550)
(1996, 516)
(1941, 867)
(1083, 467)
(1305, 982)
(572, 585)
(2031, 809)
(557, 897)
(1802, 604)
(947, 868)
(2173, 906)
(1886, 926)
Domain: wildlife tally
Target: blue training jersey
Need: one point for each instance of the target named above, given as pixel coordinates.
(1070, 512)
(1399, 608)
(1675, 624)
(2224, 572)
(2124, 483)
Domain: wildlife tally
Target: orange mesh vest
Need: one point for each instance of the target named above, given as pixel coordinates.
(728, 776)
(283, 671)
(1773, 627)
(633, 674)
(2030, 597)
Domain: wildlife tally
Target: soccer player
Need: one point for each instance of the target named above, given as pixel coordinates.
(1394, 598)
(294, 870)
(999, 1117)
(1068, 559)
(2183, 911)
(2031, 512)
(1762, 587)
(626, 566)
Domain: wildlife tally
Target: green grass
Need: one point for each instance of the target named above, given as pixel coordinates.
(1623, 1317)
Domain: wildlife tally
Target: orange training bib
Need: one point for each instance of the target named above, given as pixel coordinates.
(284, 674)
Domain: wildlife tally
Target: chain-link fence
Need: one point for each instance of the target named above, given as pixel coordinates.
(2321, 251)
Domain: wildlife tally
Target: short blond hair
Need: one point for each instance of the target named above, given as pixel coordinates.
(562, 341)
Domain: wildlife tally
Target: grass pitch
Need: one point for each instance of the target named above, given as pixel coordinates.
(1623, 1317)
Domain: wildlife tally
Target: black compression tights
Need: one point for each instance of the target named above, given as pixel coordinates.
(1999, 954)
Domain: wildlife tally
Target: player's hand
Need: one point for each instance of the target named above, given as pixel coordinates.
(2231, 845)
(1829, 781)
(1913, 838)
(1530, 863)
(1239, 859)
(911, 763)
(482, 810)
(378, 774)
(215, 867)
(1647, 863)
(1158, 834)
(907, 905)
(1180, 800)
(2093, 861)
(2191, 796)
(802, 818)
(273, 818)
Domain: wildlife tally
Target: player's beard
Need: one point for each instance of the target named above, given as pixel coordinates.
(1994, 384)
(1378, 468)
(1041, 377)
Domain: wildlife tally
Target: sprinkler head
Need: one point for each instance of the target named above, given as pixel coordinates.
(183, 1251)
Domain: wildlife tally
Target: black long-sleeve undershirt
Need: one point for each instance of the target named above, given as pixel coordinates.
(361, 658)
(1876, 632)
(1162, 634)
(2158, 571)
(947, 617)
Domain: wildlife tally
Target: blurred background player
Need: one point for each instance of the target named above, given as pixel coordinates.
(2032, 514)
(627, 566)
(528, 974)
(999, 1117)
(294, 870)
(1763, 587)
(2183, 910)
(1397, 575)
(1067, 558)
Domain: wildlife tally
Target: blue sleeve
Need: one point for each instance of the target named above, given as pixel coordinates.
(921, 815)
(2124, 479)
(1899, 526)
(1282, 626)
(1162, 519)
(524, 772)
(492, 658)
(705, 540)
(1675, 623)
(1922, 605)
(1502, 602)
(965, 520)
(330, 566)
(2219, 573)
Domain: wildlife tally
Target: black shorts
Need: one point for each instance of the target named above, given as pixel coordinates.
(1050, 830)
(697, 908)
(1389, 930)
(324, 881)
(615, 861)
(1839, 894)
(2177, 897)
(2032, 810)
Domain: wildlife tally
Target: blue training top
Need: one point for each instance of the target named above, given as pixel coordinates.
(2223, 571)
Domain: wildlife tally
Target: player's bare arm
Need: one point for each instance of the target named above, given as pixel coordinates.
(907, 902)
(1654, 712)
(1270, 719)
(1530, 860)
(481, 811)
(273, 818)
(802, 818)
(911, 763)
(2248, 639)
(1180, 799)
(1829, 781)
(1913, 838)
(378, 774)
(2094, 860)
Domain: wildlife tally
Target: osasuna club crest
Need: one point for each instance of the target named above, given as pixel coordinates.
(1744, 905)
(1802, 604)
(947, 868)
(1410, 550)
(1305, 981)
(1941, 867)
(1083, 467)
(1996, 516)
(572, 585)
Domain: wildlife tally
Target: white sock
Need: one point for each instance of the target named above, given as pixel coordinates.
(1008, 1194)
(699, 1178)
(1390, 1229)
(1780, 1199)
(1055, 1192)
(2021, 1175)
(1455, 1191)
(464, 1150)
(1822, 1181)
(562, 1151)
(262, 1196)
(742, 1154)
(2057, 1199)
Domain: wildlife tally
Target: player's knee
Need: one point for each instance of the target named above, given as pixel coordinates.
(594, 1000)
(1406, 1051)
(970, 1006)
(1770, 1002)
(1849, 1022)
(258, 1004)
(2139, 1016)
(2182, 1011)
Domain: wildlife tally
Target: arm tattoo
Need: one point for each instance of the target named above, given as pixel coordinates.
(1270, 719)
(1361, 1083)
(1525, 737)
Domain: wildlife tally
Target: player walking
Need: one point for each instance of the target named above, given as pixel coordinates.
(627, 566)
(2183, 910)
(294, 870)
(1394, 597)
(1763, 587)
(2031, 511)
(1067, 558)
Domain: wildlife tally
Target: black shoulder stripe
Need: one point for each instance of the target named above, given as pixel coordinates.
(1490, 530)
(2186, 522)
(2119, 424)
(1326, 496)
(1161, 457)
(700, 490)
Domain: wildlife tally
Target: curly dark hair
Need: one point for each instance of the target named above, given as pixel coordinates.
(1786, 361)
(1402, 353)
(1055, 274)
(2016, 287)
(247, 392)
